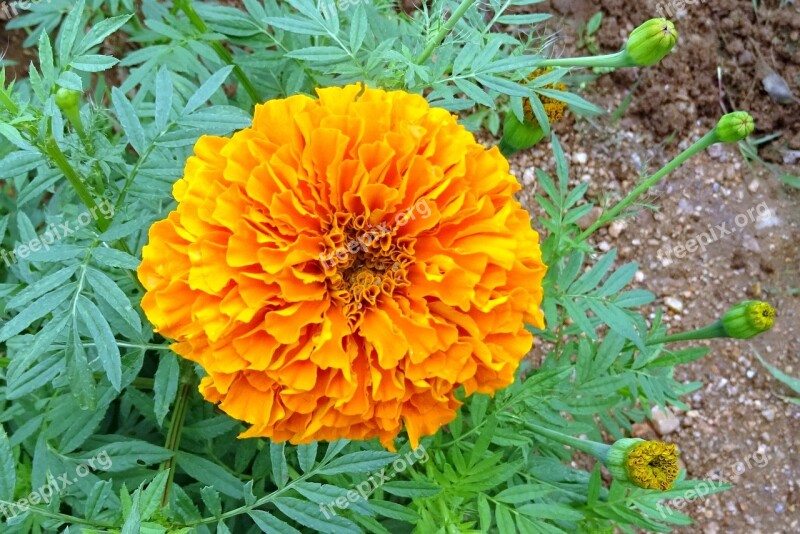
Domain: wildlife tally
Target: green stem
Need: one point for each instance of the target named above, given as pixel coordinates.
(618, 59)
(598, 450)
(74, 117)
(64, 518)
(187, 7)
(176, 426)
(143, 383)
(709, 332)
(703, 143)
(444, 30)
(5, 362)
(53, 151)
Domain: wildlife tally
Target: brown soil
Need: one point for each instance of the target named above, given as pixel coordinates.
(738, 427)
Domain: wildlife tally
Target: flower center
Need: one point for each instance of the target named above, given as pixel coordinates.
(762, 316)
(363, 264)
(653, 464)
(554, 108)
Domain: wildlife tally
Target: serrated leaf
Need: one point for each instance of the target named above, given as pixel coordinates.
(46, 57)
(412, 488)
(110, 257)
(7, 466)
(205, 91)
(150, 499)
(503, 86)
(81, 380)
(165, 385)
(106, 290)
(93, 63)
(129, 120)
(359, 25)
(329, 55)
(589, 280)
(269, 524)
(103, 337)
(394, 510)
(505, 522)
(41, 287)
(132, 523)
(529, 18)
(36, 310)
(618, 279)
(211, 499)
(358, 462)
(309, 515)
(164, 92)
(307, 456)
(210, 474)
(280, 469)
(69, 32)
(484, 512)
(474, 92)
(100, 31)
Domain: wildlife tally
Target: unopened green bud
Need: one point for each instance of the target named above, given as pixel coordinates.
(518, 135)
(734, 126)
(650, 42)
(67, 99)
(748, 318)
(647, 464)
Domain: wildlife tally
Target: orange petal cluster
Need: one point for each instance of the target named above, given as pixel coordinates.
(343, 265)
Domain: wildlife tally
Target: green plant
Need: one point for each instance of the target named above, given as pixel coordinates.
(84, 375)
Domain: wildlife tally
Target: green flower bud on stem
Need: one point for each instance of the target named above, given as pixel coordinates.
(732, 121)
(734, 127)
(518, 135)
(743, 321)
(646, 45)
(646, 464)
(748, 319)
(651, 42)
(68, 101)
(67, 98)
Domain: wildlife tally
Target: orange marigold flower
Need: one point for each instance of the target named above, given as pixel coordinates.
(343, 265)
(554, 108)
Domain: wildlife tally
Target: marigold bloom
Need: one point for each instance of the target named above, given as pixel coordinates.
(343, 265)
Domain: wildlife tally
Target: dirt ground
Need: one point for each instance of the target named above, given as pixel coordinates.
(738, 427)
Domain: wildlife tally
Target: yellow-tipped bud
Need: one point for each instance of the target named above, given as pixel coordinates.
(734, 126)
(651, 42)
(647, 464)
(748, 318)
